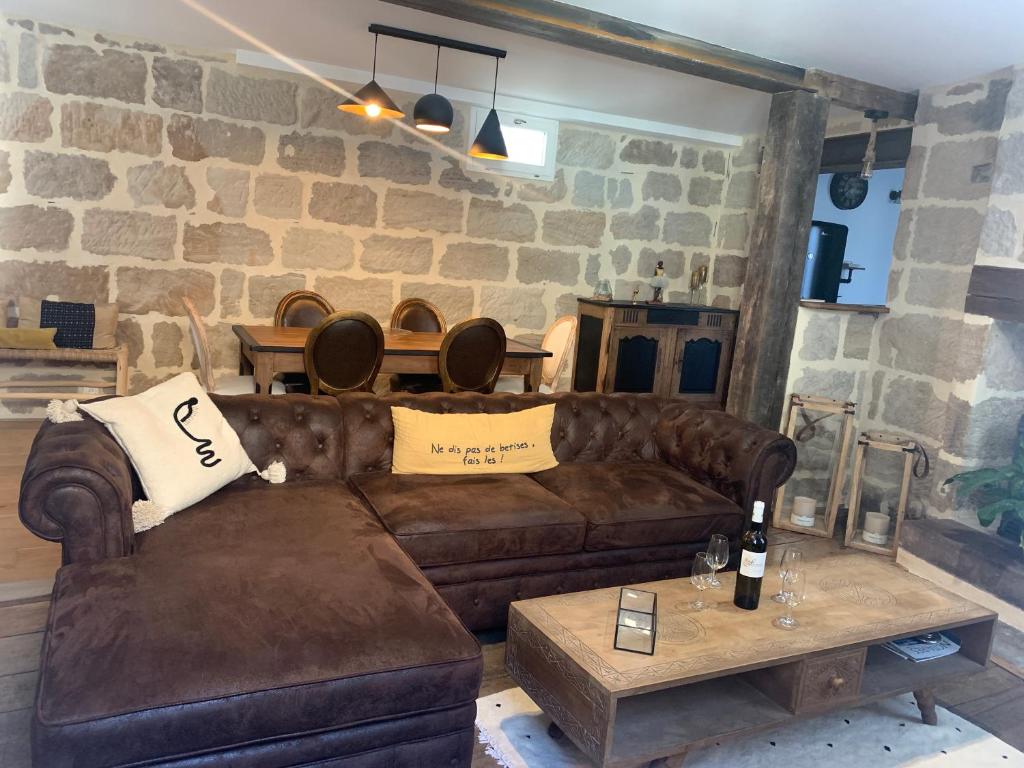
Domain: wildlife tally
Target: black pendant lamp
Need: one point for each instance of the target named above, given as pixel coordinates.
(433, 113)
(490, 143)
(371, 100)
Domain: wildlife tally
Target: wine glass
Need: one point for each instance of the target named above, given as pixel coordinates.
(701, 578)
(792, 559)
(795, 585)
(718, 556)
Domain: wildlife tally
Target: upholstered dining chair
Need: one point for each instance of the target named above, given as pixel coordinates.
(471, 356)
(238, 384)
(558, 340)
(344, 353)
(302, 309)
(422, 316)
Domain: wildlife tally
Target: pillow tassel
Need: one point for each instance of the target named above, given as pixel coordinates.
(147, 514)
(62, 411)
(276, 472)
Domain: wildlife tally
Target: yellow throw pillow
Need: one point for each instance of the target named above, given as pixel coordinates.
(472, 443)
(27, 338)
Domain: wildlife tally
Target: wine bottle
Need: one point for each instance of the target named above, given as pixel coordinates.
(751, 573)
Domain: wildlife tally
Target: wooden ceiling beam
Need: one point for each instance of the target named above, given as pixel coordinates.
(600, 33)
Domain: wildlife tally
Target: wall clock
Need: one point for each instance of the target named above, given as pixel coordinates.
(847, 190)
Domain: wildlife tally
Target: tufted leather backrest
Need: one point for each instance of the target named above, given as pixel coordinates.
(333, 438)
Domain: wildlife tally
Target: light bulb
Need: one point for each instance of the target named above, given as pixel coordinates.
(373, 110)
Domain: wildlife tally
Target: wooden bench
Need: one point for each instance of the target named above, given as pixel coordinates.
(42, 389)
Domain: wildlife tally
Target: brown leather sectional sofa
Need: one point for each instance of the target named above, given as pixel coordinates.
(317, 622)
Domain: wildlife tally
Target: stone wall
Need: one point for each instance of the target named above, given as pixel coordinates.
(142, 172)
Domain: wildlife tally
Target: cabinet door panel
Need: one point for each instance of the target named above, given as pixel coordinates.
(701, 364)
(635, 359)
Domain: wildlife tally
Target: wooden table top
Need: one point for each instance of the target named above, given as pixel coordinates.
(271, 338)
(852, 600)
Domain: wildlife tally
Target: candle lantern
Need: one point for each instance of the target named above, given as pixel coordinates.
(822, 429)
(882, 465)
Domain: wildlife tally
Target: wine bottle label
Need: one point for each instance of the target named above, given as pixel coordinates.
(752, 564)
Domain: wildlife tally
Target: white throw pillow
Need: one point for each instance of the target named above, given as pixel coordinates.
(180, 444)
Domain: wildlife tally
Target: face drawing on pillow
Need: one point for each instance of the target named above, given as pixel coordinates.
(181, 415)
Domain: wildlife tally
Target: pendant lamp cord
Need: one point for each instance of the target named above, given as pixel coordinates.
(437, 66)
(373, 76)
(494, 95)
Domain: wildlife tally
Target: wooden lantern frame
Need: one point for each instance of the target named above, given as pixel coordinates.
(847, 410)
(885, 442)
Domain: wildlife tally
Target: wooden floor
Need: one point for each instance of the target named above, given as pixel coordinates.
(994, 699)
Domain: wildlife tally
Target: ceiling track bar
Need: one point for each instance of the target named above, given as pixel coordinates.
(435, 40)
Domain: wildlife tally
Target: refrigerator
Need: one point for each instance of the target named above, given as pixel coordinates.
(823, 269)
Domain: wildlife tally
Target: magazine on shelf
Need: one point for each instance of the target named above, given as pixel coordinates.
(924, 647)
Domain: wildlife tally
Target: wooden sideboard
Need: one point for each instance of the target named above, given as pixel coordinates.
(673, 350)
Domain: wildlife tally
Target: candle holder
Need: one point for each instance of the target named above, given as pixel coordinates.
(636, 624)
(822, 429)
(879, 488)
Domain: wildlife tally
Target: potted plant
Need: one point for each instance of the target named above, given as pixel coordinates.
(999, 492)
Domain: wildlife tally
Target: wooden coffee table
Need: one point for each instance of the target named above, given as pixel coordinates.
(724, 673)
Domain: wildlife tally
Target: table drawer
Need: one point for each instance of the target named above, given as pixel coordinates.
(828, 680)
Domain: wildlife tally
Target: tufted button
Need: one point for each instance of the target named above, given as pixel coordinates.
(298, 416)
(561, 433)
(277, 444)
(320, 446)
(476, 601)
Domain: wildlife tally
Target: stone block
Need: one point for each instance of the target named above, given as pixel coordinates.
(831, 382)
(412, 209)
(1004, 357)
(544, 191)
(622, 257)
(688, 157)
(537, 265)
(232, 281)
(641, 225)
(901, 241)
(41, 279)
(28, 55)
(278, 196)
(700, 260)
(317, 249)
(620, 193)
(475, 261)
(494, 220)
(223, 348)
(585, 149)
(230, 191)
(372, 295)
(129, 333)
(732, 231)
(5, 170)
(24, 117)
(167, 338)
(689, 228)
(949, 173)
(730, 271)
(713, 161)
(946, 235)
(914, 172)
(319, 109)
(649, 152)
(911, 405)
(311, 153)
(227, 243)
(83, 71)
(749, 153)
(930, 346)
(517, 307)
(674, 263)
(33, 226)
(893, 285)
(1009, 170)
(194, 138)
(100, 128)
(266, 100)
(588, 189)
(593, 272)
(178, 84)
(573, 228)
(704, 191)
(662, 186)
(565, 304)
(453, 177)
(140, 291)
(455, 302)
(969, 116)
(409, 255)
(129, 233)
(999, 234)
(937, 288)
(343, 203)
(402, 165)
(266, 291)
(159, 184)
(79, 177)
(742, 190)
(857, 341)
(820, 337)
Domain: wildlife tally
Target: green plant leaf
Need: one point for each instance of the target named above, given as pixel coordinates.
(988, 514)
(967, 482)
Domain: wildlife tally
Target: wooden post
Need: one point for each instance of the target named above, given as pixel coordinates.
(778, 249)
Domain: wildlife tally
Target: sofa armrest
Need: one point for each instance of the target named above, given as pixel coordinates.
(77, 489)
(738, 459)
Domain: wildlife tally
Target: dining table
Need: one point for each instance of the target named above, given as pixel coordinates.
(267, 350)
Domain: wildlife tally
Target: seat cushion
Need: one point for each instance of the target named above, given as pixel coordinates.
(641, 504)
(264, 612)
(447, 519)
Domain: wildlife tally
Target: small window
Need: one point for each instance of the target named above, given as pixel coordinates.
(531, 144)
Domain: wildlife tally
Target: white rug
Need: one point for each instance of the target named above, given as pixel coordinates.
(887, 734)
